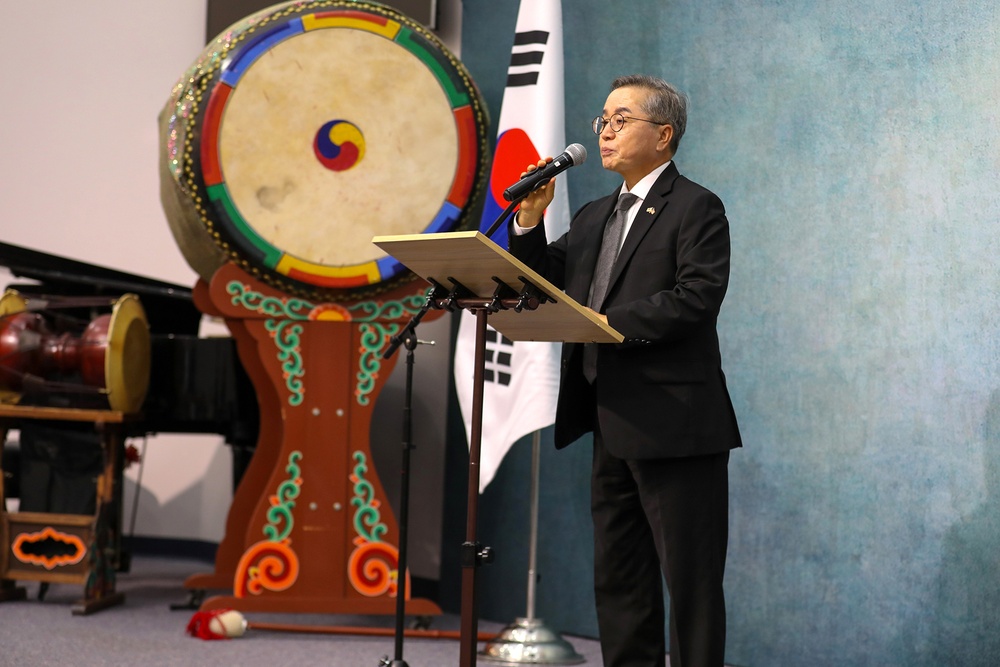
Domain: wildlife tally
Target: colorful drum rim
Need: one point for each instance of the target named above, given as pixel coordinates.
(456, 86)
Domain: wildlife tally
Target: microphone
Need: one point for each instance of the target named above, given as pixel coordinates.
(573, 155)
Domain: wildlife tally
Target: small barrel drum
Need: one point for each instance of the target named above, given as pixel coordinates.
(108, 359)
(308, 128)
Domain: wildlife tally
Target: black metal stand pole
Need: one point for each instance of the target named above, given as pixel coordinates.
(404, 505)
(408, 338)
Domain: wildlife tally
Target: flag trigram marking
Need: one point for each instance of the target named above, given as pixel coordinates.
(531, 61)
(498, 358)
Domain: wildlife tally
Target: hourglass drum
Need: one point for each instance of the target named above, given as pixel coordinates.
(105, 365)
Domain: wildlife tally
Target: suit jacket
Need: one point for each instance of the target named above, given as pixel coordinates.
(662, 392)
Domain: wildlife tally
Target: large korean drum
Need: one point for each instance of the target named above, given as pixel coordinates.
(308, 128)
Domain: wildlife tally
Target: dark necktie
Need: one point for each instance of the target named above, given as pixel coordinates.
(613, 232)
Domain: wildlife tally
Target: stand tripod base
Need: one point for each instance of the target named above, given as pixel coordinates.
(527, 641)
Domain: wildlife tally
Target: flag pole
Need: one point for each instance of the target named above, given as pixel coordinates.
(536, 453)
(527, 640)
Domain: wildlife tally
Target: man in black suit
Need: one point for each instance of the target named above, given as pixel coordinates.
(657, 404)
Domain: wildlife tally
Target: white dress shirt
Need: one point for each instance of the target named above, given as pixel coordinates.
(641, 189)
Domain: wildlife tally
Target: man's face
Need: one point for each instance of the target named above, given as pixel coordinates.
(640, 146)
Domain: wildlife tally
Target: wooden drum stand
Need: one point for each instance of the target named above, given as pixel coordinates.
(67, 548)
(112, 358)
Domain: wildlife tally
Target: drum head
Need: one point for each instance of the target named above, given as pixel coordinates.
(314, 127)
(11, 303)
(127, 359)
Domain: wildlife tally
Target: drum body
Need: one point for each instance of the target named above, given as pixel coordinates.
(310, 127)
(108, 360)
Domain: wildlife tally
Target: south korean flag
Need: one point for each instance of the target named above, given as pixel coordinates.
(521, 379)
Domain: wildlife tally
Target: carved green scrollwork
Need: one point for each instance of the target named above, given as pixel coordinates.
(283, 501)
(290, 308)
(389, 310)
(287, 336)
(373, 338)
(285, 312)
(367, 518)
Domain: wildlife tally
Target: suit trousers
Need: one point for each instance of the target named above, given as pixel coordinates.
(658, 518)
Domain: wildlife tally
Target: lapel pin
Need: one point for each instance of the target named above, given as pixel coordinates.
(651, 210)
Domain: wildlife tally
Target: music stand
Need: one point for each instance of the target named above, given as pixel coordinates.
(471, 272)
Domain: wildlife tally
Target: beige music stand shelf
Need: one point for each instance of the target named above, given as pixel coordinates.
(67, 548)
(474, 260)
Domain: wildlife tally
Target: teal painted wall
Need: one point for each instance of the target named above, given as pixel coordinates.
(857, 148)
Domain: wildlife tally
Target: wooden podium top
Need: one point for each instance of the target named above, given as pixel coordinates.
(474, 260)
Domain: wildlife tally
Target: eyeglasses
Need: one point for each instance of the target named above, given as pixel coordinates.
(617, 122)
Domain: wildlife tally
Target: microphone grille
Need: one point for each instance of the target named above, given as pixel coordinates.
(577, 153)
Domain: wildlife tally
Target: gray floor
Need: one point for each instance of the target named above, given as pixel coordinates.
(144, 631)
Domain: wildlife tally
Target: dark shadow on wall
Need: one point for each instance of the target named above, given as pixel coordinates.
(967, 602)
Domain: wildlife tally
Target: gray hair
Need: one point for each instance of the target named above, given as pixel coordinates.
(665, 105)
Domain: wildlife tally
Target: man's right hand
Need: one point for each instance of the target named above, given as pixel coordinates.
(534, 205)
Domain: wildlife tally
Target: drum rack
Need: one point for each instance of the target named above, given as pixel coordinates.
(67, 548)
